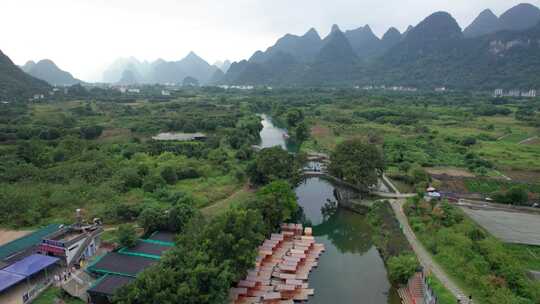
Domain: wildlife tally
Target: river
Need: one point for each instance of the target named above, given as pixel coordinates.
(351, 271)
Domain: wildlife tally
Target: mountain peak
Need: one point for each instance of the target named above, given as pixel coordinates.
(192, 54)
(391, 36)
(337, 49)
(48, 71)
(485, 23)
(363, 41)
(520, 17)
(437, 26)
(312, 33)
(335, 28)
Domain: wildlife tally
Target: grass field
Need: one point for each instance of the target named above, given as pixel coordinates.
(52, 294)
(443, 295)
(529, 255)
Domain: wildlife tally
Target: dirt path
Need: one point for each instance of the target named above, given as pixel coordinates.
(527, 140)
(224, 203)
(7, 236)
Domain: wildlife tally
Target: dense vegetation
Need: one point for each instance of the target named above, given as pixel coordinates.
(391, 243)
(99, 156)
(210, 255)
(481, 263)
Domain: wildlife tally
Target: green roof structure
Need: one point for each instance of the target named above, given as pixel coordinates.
(27, 241)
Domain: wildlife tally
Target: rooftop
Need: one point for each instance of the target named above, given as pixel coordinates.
(27, 241)
(121, 264)
(108, 284)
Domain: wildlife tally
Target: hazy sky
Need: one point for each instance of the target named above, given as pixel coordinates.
(84, 36)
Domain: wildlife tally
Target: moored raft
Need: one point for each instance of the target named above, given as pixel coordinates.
(282, 268)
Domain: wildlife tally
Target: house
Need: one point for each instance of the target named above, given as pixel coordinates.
(498, 93)
(165, 93)
(73, 244)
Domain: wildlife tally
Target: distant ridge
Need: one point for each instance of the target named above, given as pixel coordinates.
(160, 71)
(48, 71)
(434, 53)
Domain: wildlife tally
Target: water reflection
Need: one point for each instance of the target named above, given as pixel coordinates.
(351, 270)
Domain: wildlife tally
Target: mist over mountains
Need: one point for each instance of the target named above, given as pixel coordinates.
(492, 52)
(132, 71)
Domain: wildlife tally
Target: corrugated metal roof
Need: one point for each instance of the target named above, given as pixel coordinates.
(27, 241)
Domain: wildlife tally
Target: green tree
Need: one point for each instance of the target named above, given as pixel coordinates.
(152, 219)
(301, 132)
(152, 183)
(274, 164)
(277, 203)
(127, 235)
(294, 117)
(130, 178)
(357, 162)
(402, 267)
(91, 132)
(169, 175)
(517, 195)
(179, 216)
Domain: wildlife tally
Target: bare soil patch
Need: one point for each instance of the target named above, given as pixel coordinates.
(115, 133)
(320, 131)
(7, 236)
(452, 172)
(523, 176)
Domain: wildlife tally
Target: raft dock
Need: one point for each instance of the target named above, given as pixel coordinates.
(281, 270)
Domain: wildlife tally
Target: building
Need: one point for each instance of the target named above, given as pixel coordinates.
(23, 272)
(72, 244)
(180, 137)
(498, 93)
(165, 93)
(26, 245)
(529, 94)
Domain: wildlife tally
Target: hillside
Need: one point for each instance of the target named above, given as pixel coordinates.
(48, 71)
(16, 84)
(490, 53)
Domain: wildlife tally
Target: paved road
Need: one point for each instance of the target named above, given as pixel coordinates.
(423, 256)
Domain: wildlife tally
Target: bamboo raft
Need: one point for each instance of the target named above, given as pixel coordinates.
(281, 269)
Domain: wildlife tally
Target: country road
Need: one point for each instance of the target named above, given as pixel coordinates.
(425, 259)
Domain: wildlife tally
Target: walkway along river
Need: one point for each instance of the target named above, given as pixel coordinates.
(351, 271)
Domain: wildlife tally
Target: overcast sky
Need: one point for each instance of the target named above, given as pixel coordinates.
(84, 36)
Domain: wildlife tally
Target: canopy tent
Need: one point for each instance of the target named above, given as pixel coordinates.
(8, 279)
(31, 265)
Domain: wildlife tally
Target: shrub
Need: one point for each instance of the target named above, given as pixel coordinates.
(402, 267)
(126, 235)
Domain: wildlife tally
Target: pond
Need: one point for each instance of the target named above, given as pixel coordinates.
(351, 270)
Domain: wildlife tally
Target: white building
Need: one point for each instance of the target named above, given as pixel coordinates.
(529, 94)
(135, 91)
(165, 93)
